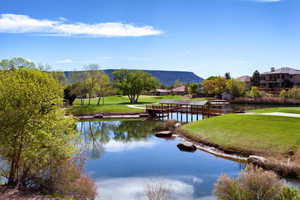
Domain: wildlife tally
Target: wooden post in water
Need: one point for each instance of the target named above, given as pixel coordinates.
(192, 113)
(197, 113)
(180, 115)
(186, 114)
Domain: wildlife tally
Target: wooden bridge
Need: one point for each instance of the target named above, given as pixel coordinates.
(196, 109)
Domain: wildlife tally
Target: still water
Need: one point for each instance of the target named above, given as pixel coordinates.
(125, 157)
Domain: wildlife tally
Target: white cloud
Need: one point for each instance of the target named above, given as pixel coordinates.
(13, 23)
(116, 146)
(65, 61)
(134, 188)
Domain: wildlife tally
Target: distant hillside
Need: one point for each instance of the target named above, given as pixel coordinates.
(165, 77)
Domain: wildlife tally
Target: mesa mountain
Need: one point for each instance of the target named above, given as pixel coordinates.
(165, 77)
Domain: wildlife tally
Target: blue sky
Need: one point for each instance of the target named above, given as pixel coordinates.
(208, 37)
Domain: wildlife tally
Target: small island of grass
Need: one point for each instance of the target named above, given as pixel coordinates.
(258, 134)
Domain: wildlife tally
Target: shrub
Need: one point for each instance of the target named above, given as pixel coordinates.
(235, 87)
(283, 94)
(254, 92)
(67, 179)
(293, 93)
(289, 194)
(252, 184)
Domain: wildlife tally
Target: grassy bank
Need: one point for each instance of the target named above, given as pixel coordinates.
(267, 135)
(116, 104)
(294, 110)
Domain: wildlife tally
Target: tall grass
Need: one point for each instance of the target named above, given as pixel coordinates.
(253, 184)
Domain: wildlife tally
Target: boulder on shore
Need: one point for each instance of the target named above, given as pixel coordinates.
(187, 146)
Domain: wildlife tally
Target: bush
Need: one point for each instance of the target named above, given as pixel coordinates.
(289, 194)
(293, 93)
(235, 87)
(67, 179)
(254, 92)
(252, 184)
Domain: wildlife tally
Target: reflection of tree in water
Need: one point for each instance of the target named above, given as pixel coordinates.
(97, 133)
(94, 134)
(128, 131)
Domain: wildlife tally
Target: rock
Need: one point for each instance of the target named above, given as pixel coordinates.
(187, 146)
(164, 134)
(256, 159)
(177, 125)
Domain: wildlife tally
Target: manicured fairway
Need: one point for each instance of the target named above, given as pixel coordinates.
(295, 110)
(118, 104)
(253, 133)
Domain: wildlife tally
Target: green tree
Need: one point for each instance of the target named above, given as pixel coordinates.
(214, 86)
(227, 75)
(193, 88)
(97, 82)
(69, 96)
(16, 62)
(34, 131)
(133, 83)
(235, 87)
(255, 80)
(254, 92)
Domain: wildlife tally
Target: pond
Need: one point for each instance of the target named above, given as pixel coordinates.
(126, 159)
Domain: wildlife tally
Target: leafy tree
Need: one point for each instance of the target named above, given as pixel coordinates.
(235, 87)
(69, 96)
(34, 132)
(97, 82)
(254, 92)
(133, 83)
(227, 75)
(193, 88)
(16, 62)
(212, 77)
(215, 86)
(283, 93)
(255, 80)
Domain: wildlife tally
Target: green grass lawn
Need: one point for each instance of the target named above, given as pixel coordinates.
(118, 104)
(251, 133)
(294, 110)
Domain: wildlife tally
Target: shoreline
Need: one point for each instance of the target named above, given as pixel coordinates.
(283, 169)
(112, 115)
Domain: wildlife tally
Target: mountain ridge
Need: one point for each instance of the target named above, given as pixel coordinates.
(164, 76)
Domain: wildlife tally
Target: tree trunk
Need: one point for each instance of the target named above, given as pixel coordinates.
(99, 100)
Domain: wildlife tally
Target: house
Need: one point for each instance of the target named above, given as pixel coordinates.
(280, 78)
(179, 90)
(175, 91)
(161, 92)
(245, 79)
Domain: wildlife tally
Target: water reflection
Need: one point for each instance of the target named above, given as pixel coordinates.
(134, 188)
(113, 136)
(124, 156)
